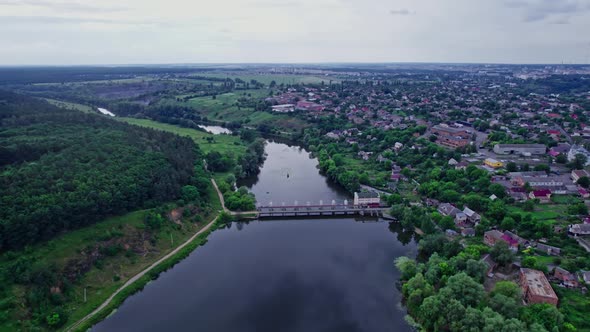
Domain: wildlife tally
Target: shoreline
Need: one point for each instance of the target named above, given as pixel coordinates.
(140, 280)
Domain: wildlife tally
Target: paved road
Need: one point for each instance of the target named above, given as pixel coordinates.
(142, 273)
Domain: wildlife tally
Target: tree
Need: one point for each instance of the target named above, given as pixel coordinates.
(464, 289)
(508, 223)
(579, 161)
(584, 181)
(407, 266)
(561, 159)
(190, 193)
(502, 254)
(506, 306)
(511, 167)
(476, 269)
(543, 314)
(508, 289)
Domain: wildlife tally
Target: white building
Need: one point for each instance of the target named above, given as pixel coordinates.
(284, 108)
(576, 149)
(367, 198)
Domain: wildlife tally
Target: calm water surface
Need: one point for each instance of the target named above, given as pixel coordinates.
(216, 130)
(280, 275)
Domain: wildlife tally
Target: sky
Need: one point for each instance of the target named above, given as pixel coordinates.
(69, 32)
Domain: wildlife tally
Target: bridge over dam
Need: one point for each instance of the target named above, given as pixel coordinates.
(322, 210)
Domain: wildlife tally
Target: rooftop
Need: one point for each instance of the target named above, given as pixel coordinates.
(537, 283)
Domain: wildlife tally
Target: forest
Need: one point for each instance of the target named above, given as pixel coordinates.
(62, 169)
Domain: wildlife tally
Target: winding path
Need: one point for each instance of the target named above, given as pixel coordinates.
(233, 213)
(142, 273)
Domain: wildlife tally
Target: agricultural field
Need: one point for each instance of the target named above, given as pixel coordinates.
(278, 78)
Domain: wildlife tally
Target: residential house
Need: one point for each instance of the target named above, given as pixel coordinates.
(490, 263)
(579, 229)
(543, 195)
(494, 236)
(472, 216)
(549, 250)
(565, 277)
(468, 231)
(578, 173)
(447, 209)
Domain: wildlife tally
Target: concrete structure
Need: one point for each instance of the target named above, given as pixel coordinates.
(536, 288)
(367, 198)
(451, 136)
(523, 149)
(493, 163)
(284, 108)
(318, 210)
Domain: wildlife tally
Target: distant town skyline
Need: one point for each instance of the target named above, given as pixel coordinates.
(66, 32)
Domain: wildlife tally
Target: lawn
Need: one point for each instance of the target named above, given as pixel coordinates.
(220, 143)
(542, 211)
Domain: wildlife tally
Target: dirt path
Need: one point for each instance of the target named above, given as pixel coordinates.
(142, 273)
(233, 213)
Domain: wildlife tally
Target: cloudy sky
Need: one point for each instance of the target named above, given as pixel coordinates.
(196, 31)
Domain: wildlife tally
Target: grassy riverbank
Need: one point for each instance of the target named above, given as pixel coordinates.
(140, 283)
(105, 255)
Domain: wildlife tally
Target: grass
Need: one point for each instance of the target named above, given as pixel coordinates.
(220, 143)
(542, 211)
(69, 105)
(575, 306)
(224, 108)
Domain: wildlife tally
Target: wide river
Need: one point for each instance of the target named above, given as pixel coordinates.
(280, 275)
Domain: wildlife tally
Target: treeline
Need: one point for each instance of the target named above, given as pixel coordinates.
(245, 165)
(445, 292)
(27, 75)
(62, 169)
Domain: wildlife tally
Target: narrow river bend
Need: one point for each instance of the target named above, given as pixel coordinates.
(280, 275)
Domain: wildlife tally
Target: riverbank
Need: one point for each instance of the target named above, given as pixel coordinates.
(137, 282)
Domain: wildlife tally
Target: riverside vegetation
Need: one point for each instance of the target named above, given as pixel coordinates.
(62, 171)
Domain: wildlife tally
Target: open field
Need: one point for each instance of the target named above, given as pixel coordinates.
(122, 80)
(278, 78)
(69, 105)
(224, 108)
(206, 141)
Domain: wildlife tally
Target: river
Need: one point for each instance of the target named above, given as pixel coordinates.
(216, 130)
(280, 275)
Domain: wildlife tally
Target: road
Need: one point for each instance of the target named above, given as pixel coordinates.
(149, 268)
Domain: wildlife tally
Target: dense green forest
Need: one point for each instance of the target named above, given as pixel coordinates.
(62, 169)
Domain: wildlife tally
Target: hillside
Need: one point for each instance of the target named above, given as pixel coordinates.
(62, 169)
